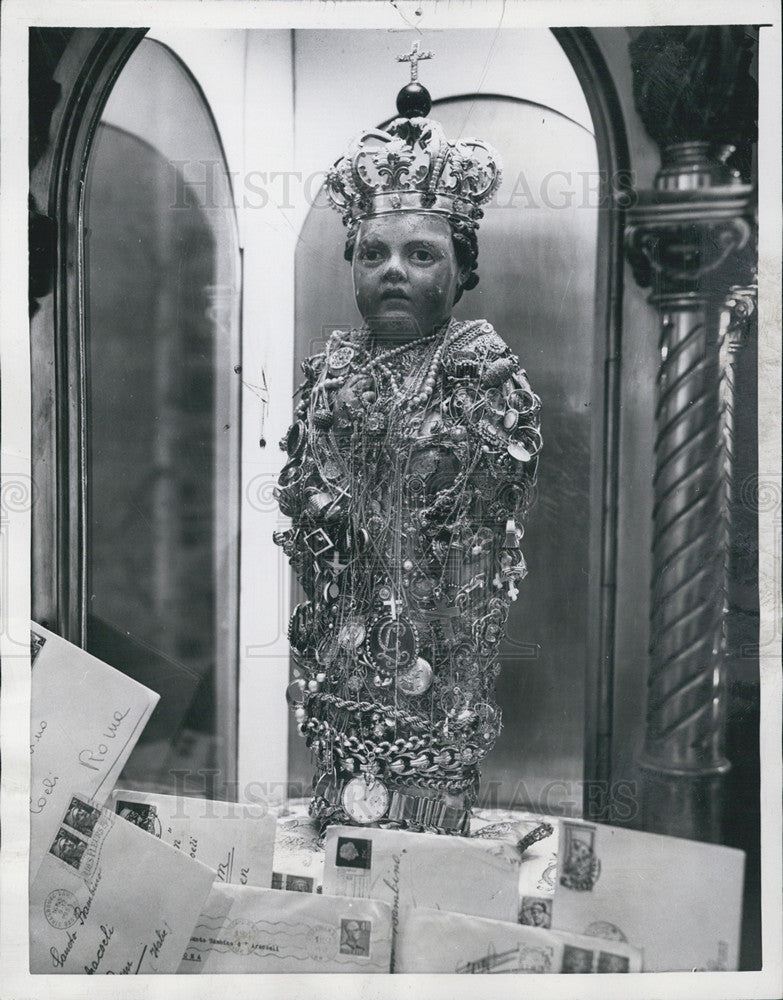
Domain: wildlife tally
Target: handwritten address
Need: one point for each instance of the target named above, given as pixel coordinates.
(94, 757)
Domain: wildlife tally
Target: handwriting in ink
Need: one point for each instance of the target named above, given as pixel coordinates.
(47, 787)
(35, 737)
(93, 966)
(157, 944)
(92, 758)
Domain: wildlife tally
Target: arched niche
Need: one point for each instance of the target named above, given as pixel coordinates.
(550, 264)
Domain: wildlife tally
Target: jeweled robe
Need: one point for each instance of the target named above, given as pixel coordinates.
(406, 529)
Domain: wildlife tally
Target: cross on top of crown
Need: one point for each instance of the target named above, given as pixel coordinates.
(414, 57)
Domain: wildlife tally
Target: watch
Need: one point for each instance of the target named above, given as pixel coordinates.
(365, 803)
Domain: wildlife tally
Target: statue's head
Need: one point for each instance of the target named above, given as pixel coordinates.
(408, 271)
(411, 201)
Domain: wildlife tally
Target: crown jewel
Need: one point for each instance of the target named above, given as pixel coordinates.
(411, 165)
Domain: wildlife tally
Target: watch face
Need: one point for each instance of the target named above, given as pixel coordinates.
(363, 803)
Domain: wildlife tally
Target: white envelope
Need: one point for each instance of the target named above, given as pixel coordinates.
(539, 861)
(678, 900)
(243, 929)
(406, 869)
(437, 941)
(108, 898)
(236, 839)
(299, 855)
(85, 718)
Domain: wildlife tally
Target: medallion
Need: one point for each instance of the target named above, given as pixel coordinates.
(416, 680)
(340, 359)
(392, 644)
(352, 634)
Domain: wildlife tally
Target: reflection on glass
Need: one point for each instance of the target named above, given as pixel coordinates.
(162, 426)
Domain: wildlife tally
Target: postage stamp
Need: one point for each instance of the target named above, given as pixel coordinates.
(141, 814)
(81, 817)
(607, 962)
(581, 868)
(68, 847)
(353, 852)
(577, 959)
(536, 911)
(355, 937)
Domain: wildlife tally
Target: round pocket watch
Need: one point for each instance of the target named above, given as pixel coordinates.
(365, 803)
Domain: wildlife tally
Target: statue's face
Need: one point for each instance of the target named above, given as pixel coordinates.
(405, 273)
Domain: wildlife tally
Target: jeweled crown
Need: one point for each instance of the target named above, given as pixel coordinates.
(411, 166)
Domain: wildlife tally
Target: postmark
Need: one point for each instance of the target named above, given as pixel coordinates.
(322, 943)
(581, 868)
(241, 936)
(603, 929)
(60, 909)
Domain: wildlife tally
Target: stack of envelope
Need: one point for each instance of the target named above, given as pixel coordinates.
(245, 930)
(129, 882)
(234, 839)
(678, 900)
(435, 941)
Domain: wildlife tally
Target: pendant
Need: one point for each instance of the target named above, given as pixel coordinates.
(392, 644)
(518, 451)
(417, 679)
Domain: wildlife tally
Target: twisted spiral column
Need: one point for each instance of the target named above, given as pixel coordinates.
(688, 240)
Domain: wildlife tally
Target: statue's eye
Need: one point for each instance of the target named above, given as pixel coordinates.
(370, 255)
(422, 255)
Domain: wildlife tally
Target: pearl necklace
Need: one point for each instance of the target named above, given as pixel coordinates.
(404, 400)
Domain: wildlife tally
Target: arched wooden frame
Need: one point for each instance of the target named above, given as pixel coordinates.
(87, 71)
(615, 179)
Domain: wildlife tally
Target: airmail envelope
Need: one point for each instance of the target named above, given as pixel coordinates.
(85, 719)
(436, 941)
(237, 840)
(678, 900)
(243, 929)
(404, 869)
(108, 898)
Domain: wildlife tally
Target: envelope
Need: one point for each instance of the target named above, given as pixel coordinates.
(539, 861)
(108, 898)
(678, 900)
(243, 929)
(299, 855)
(406, 869)
(85, 719)
(437, 941)
(236, 839)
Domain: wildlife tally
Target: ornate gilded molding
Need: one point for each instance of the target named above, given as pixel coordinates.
(691, 241)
